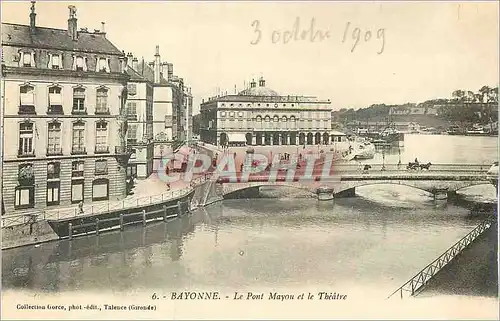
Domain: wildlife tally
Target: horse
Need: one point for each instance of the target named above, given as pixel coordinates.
(425, 166)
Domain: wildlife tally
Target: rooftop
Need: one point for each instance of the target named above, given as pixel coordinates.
(51, 38)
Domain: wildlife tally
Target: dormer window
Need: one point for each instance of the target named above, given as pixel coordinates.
(27, 59)
(79, 63)
(55, 61)
(103, 65)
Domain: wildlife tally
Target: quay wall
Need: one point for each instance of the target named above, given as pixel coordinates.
(27, 234)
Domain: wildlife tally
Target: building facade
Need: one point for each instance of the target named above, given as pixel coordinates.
(259, 116)
(64, 122)
(140, 118)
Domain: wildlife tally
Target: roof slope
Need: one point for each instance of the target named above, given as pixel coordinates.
(50, 38)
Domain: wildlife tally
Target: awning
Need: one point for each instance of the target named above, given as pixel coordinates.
(237, 137)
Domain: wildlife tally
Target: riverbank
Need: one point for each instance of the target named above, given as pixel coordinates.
(474, 272)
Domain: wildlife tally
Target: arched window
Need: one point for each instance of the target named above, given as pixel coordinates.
(292, 118)
(267, 118)
(276, 119)
(258, 119)
(284, 119)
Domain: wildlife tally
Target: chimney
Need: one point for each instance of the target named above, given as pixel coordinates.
(32, 18)
(253, 83)
(170, 71)
(72, 23)
(135, 63)
(103, 24)
(262, 82)
(129, 59)
(164, 69)
(157, 65)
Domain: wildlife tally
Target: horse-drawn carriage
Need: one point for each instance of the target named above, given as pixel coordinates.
(418, 166)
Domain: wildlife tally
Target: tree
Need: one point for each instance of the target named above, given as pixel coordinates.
(484, 91)
(458, 95)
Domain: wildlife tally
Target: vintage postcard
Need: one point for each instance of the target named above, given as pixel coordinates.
(249, 160)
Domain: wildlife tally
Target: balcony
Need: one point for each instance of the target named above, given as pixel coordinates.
(102, 111)
(131, 117)
(26, 153)
(79, 112)
(77, 173)
(101, 149)
(123, 150)
(54, 151)
(27, 110)
(55, 110)
(78, 150)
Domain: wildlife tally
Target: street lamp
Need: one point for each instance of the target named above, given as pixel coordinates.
(383, 158)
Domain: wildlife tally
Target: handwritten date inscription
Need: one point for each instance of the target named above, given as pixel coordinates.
(352, 36)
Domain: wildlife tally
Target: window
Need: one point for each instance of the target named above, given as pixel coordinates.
(132, 134)
(55, 100)
(78, 138)
(79, 100)
(283, 119)
(101, 143)
(54, 141)
(276, 119)
(267, 119)
(103, 65)
(240, 114)
(77, 169)
(101, 167)
(79, 64)
(168, 121)
(231, 114)
(131, 89)
(27, 59)
(77, 191)
(27, 94)
(55, 61)
(102, 101)
(53, 193)
(132, 110)
(26, 139)
(223, 114)
(258, 119)
(25, 191)
(26, 175)
(292, 118)
(24, 197)
(53, 170)
(100, 189)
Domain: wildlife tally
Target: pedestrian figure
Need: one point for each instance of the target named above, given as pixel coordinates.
(80, 207)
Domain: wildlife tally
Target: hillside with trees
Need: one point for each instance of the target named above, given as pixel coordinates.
(464, 107)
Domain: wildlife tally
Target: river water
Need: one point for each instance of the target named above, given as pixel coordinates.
(363, 246)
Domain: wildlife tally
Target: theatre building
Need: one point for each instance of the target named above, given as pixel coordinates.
(64, 94)
(258, 115)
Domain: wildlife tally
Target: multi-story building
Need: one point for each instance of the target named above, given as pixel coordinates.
(64, 126)
(169, 115)
(188, 114)
(259, 116)
(140, 118)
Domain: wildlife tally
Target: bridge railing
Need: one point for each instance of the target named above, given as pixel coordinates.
(469, 168)
(416, 283)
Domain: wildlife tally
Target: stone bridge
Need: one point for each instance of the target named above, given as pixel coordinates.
(441, 180)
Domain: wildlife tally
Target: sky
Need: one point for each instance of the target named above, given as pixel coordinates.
(375, 52)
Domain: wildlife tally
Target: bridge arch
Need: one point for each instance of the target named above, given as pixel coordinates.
(471, 184)
(231, 188)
